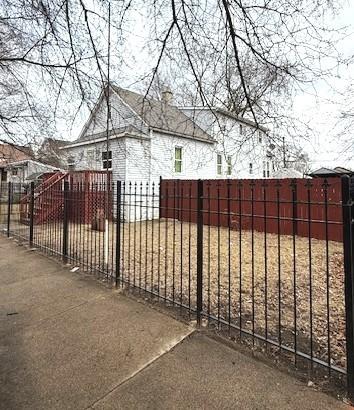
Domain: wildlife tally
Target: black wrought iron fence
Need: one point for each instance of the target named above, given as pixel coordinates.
(269, 263)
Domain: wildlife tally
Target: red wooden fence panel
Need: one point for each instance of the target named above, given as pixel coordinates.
(305, 207)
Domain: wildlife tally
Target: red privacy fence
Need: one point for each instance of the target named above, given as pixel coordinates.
(304, 207)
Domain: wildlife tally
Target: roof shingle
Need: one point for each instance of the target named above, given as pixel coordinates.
(161, 116)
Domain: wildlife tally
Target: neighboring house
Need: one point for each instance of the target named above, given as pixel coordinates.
(329, 173)
(50, 153)
(287, 173)
(150, 138)
(26, 170)
(11, 153)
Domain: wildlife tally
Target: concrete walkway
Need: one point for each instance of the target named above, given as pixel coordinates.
(66, 342)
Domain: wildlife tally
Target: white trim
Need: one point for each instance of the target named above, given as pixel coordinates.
(189, 137)
(102, 139)
(92, 112)
(179, 160)
(226, 114)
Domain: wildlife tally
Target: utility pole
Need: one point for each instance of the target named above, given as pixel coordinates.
(108, 160)
(284, 153)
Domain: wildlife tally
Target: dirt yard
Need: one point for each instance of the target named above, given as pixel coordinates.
(254, 280)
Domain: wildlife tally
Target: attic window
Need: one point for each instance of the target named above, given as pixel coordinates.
(14, 171)
(107, 159)
(178, 159)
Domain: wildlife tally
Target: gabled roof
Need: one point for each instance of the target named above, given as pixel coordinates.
(330, 172)
(55, 141)
(343, 170)
(161, 116)
(226, 113)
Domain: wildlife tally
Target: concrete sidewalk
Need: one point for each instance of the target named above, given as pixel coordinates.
(66, 342)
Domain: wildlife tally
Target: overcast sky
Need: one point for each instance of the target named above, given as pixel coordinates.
(320, 111)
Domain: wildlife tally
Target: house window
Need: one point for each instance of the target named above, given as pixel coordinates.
(219, 164)
(251, 168)
(90, 154)
(241, 129)
(14, 171)
(178, 159)
(260, 137)
(229, 165)
(266, 169)
(107, 159)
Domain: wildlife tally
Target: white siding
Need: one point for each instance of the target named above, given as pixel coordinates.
(198, 158)
(82, 160)
(244, 149)
(27, 169)
(121, 116)
(138, 159)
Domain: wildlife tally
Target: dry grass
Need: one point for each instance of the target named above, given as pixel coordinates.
(242, 281)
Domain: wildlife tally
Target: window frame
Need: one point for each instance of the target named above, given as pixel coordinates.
(179, 161)
(229, 165)
(218, 164)
(107, 159)
(90, 157)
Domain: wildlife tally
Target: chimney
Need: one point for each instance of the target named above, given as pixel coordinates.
(167, 96)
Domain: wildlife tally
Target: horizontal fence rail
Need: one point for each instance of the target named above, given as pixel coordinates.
(267, 262)
(286, 205)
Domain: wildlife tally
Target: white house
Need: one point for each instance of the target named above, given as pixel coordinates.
(150, 138)
(242, 149)
(26, 170)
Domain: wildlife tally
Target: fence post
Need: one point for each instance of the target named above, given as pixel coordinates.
(31, 213)
(65, 222)
(199, 250)
(160, 198)
(118, 221)
(9, 194)
(348, 281)
(293, 185)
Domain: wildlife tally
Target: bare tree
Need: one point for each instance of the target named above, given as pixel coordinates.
(249, 57)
